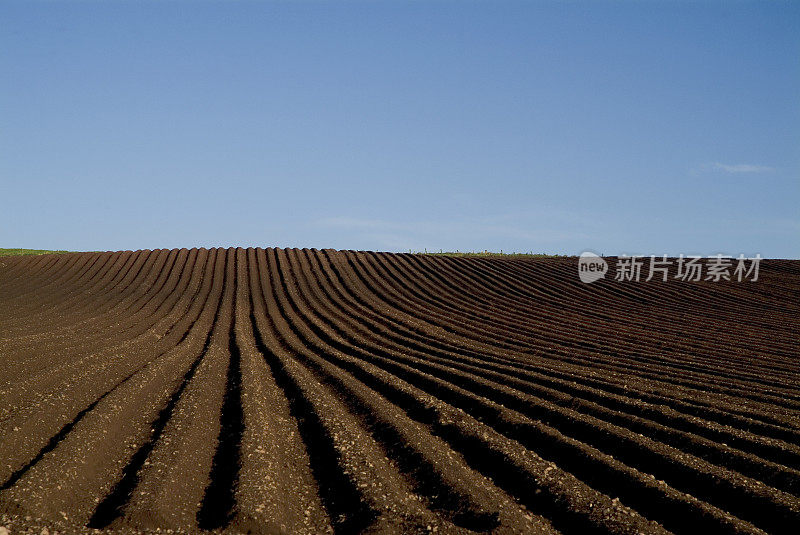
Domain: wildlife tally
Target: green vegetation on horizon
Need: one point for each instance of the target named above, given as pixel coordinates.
(20, 252)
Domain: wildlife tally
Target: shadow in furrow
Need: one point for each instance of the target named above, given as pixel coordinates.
(219, 499)
(675, 515)
(416, 469)
(58, 437)
(339, 495)
(480, 457)
(111, 507)
(61, 435)
(680, 517)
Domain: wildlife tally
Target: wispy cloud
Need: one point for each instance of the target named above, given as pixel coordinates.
(740, 168)
(528, 233)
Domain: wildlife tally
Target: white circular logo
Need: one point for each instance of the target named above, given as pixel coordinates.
(591, 267)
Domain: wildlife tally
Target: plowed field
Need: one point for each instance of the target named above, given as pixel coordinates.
(306, 391)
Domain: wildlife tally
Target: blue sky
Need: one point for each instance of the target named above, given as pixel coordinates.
(619, 127)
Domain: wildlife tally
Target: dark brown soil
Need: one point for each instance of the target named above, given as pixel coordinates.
(305, 391)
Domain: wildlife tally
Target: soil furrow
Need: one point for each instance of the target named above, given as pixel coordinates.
(319, 391)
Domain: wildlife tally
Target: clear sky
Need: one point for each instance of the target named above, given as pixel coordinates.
(618, 127)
